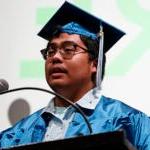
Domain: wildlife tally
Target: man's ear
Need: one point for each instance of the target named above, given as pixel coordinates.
(94, 65)
(94, 70)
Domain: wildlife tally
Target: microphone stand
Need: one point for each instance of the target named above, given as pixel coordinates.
(56, 94)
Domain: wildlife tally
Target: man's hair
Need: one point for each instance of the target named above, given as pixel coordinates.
(92, 46)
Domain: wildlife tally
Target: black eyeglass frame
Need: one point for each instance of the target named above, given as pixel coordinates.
(45, 56)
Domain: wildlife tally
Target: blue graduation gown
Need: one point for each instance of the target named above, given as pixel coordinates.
(109, 115)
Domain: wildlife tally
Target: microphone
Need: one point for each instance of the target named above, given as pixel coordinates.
(53, 93)
(3, 85)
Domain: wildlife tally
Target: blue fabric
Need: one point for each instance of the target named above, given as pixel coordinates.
(75, 28)
(109, 115)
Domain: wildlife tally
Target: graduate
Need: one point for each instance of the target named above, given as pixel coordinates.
(74, 68)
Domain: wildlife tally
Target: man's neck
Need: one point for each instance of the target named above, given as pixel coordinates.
(72, 94)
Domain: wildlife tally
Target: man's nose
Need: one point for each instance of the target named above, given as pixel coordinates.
(57, 58)
(58, 53)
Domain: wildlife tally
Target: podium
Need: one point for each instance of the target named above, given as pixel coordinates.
(104, 141)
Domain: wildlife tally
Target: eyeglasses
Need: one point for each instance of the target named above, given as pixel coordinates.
(67, 50)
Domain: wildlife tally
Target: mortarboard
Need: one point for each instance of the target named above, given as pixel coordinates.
(70, 13)
(78, 21)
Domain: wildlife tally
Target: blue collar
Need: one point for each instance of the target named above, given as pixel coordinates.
(88, 101)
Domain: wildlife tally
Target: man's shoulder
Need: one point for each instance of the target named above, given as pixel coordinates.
(24, 123)
(116, 107)
(18, 133)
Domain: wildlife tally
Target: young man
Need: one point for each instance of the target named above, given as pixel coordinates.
(74, 66)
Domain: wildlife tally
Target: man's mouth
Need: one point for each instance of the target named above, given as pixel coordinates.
(57, 70)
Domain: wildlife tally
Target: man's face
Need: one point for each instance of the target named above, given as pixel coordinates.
(64, 73)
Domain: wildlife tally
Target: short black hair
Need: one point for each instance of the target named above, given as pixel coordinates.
(93, 45)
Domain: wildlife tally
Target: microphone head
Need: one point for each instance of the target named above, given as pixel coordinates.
(3, 85)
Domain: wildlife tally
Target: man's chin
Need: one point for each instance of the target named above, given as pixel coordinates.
(55, 85)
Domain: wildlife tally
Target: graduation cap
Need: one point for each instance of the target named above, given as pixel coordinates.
(77, 21)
